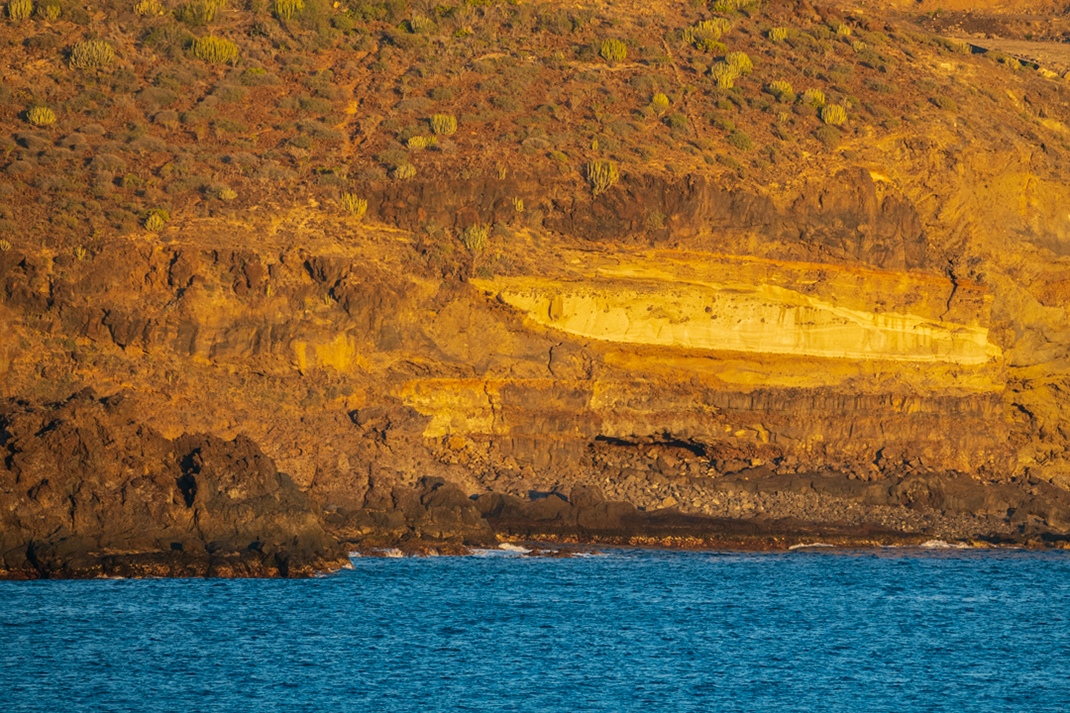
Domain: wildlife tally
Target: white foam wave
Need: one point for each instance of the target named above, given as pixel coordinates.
(510, 547)
(808, 545)
(942, 545)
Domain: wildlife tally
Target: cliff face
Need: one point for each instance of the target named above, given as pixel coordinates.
(769, 329)
(87, 489)
(852, 391)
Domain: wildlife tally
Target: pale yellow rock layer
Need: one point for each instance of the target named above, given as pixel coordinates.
(762, 318)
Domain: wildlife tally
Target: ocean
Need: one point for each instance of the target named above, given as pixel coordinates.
(624, 630)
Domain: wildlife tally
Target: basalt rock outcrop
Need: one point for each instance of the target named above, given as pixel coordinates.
(86, 490)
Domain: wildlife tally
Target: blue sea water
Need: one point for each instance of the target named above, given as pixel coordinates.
(887, 631)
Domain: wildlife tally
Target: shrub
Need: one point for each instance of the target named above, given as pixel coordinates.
(1003, 58)
(710, 46)
(354, 205)
(724, 74)
(734, 5)
(49, 10)
(420, 24)
(518, 204)
(404, 172)
(19, 9)
(778, 34)
(833, 115)
(843, 30)
(602, 175)
(156, 219)
(418, 143)
(740, 140)
(659, 104)
(286, 9)
(226, 193)
(199, 12)
(215, 50)
(149, 8)
(945, 103)
(677, 122)
(4, 245)
(954, 45)
(782, 90)
(814, 97)
(704, 34)
(92, 54)
(444, 124)
(829, 136)
(613, 51)
(740, 61)
(474, 237)
(167, 119)
(40, 116)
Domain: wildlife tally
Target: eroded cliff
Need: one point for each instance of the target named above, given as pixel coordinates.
(864, 344)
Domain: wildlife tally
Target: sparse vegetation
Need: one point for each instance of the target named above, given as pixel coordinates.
(614, 51)
(724, 74)
(814, 98)
(354, 205)
(40, 116)
(302, 116)
(740, 61)
(444, 124)
(418, 143)
(149, 8)
(475, 237)
(49, 10)
(782, 90)
(659, 104)
(602, 175)
(734, 5)
(705, 35)
(418, 24)
(829, 136)
(955, 45)
(92, 54)
(19, 10)
(198, 13)
(945, 103)
(833, 114)
(286, 9)
(156, 219)
(740, 141)
(215, 50)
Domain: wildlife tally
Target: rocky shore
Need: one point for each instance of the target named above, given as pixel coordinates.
(87, 490)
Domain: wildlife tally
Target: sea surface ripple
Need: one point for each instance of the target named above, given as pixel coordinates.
(624, 631)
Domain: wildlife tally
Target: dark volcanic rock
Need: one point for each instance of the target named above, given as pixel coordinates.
(589, 518)
(433, 515)
(86, 491)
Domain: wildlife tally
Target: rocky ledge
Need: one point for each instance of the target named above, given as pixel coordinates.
(86, 490)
